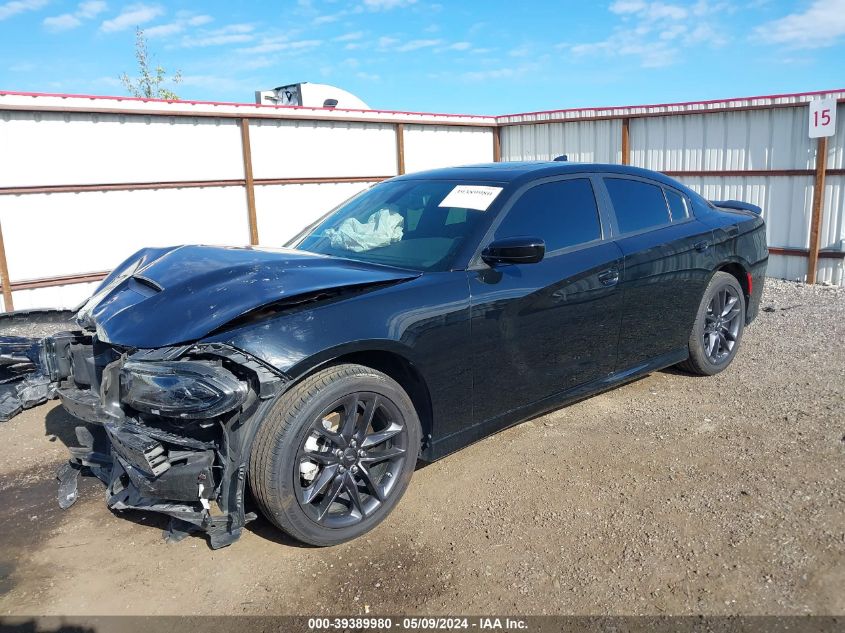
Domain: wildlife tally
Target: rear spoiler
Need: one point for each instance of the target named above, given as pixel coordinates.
(739, 205)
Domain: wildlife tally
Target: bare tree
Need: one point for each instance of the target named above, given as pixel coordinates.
(149, 82)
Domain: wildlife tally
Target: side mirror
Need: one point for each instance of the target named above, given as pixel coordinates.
(514, 250)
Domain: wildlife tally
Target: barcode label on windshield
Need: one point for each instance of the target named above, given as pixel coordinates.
(474, 197)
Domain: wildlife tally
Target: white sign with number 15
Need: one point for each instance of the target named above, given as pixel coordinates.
(822, 117)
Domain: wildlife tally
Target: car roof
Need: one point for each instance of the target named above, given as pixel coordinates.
(526, 171)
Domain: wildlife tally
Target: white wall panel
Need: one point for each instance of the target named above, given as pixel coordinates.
(430, 147)
(587, 142)
(754, 139)
(284, 210)
(833, 218)
(787, 267)
(68, 296)
(787, 207)
(836, 144)
(786, 202)
(51, 148)
(830, 271)
(58, 234)
(300, 149)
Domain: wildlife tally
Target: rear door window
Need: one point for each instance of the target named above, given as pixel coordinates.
(638, 205)
(562, 213)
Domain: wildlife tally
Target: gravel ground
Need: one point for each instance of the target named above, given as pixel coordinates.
(671, 495)
(36, 323)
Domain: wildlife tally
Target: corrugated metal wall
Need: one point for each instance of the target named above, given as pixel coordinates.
(588, 142)
(769, 139)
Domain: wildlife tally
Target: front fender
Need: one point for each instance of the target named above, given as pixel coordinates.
(329, 355)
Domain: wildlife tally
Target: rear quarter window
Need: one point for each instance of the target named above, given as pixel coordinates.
(677, 205)
(638, 205)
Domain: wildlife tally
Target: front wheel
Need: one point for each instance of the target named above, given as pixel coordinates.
(718, 327)
(335, 454)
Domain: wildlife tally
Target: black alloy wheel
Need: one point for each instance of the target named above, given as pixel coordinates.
(718, 327)
(335, 454)
(722, 323)
(350, 462)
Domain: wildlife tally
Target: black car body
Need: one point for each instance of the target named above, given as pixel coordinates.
(477, 339)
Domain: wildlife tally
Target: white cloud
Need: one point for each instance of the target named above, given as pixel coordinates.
(821, 24)
(163, 30)
(199, 20)
(504, 72)
(455, 46)
(386, 42)
(367, 76)
(475, 27)
(650, 10)
(230, 34)
(386, 5)
(328, 18)
(280, 44)
(349, 37)
(494, 73)
(304, 44)
(655, 33)
(68, 21)
(63, 22)
(132, 16)
(91, 9)
(9, 9)
(181, 24)
(627, 6)
(415, 45)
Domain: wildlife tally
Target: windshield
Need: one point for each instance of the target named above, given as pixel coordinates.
(416, 224)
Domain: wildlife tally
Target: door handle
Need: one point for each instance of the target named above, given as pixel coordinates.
(609, 277)
(702, 246)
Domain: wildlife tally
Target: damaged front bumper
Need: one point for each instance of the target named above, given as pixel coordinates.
(167, 430)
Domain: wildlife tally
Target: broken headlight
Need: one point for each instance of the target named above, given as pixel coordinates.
(180, 389)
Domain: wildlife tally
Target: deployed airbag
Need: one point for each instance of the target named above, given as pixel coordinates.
(382, 228)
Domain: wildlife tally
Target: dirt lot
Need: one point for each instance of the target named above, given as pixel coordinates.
(672, 495)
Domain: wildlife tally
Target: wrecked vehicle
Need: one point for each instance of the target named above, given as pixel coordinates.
(425, 313)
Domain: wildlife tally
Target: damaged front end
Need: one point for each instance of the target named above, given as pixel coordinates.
(166, 429)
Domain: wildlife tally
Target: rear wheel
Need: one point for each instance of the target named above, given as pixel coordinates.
(718, 327)
(335, 454)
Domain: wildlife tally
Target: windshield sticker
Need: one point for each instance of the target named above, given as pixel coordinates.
(471, 197)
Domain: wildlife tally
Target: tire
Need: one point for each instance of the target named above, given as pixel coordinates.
(317, 471)
(724, 331)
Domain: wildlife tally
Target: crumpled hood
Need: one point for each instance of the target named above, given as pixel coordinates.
(166, 296)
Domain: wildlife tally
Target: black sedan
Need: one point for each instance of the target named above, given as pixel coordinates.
(423, 314)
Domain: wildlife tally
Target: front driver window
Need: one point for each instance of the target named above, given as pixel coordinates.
(562, 213)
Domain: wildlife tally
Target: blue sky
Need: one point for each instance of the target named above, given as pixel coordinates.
(491, 57)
